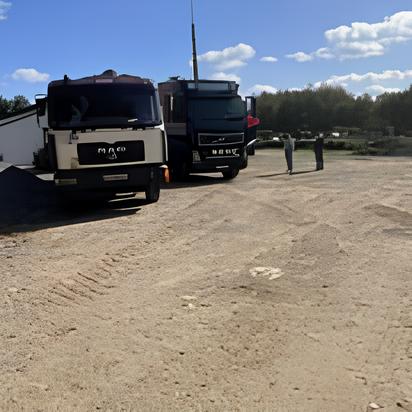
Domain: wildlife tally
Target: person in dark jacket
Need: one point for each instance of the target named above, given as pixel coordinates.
(319, 142)
(289, 145)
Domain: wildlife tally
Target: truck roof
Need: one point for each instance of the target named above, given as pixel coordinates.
(190, 82)
(108, 76)
(29, 110)
(178, 79)
(226, 87)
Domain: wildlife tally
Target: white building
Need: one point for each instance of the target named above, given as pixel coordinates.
(20, 137)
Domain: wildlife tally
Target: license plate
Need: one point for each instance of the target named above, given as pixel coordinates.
(225, 152)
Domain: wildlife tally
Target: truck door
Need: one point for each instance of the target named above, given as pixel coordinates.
(253, 123)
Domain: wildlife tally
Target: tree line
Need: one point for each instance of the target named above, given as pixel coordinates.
(329, 107)
(11, 106)
(315, 109)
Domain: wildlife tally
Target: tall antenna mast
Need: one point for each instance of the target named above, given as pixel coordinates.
(195, 66)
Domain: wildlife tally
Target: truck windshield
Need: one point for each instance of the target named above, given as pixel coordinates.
(231, 109)
(102, 105)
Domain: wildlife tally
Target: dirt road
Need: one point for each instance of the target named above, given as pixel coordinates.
(268, 293)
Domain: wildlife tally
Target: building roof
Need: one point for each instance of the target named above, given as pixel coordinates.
(18, 114)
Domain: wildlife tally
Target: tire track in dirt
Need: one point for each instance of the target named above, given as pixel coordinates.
(53, 302)
(394, 214)
(289, 214)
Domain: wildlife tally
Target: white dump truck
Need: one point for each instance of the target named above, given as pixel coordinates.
(102, 135)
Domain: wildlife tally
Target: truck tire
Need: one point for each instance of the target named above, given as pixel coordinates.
(251, 150)
(153, 189)
(245, 160)
(230, 174)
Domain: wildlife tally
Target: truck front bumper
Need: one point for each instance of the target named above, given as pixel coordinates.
(110, 180)
(216, 165)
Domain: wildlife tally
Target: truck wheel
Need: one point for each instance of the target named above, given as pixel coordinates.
(245, 160)
(251, 150)
(153, 189)
(230, 174)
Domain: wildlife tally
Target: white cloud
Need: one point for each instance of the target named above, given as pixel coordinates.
(386, 75)
(269, 59)
(359, 49)
(373, 83)
(377, 89)
(300, 57)
(361, 40)
(372, 38)
(4, 8)
(262, 88)
(226, 76)
(229, 58)
(324, 53)
(30, 76)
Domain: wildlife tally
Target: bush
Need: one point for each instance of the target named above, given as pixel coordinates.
(337, 145)
(381, 147)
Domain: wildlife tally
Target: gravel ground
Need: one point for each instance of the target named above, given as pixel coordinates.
(268, 293)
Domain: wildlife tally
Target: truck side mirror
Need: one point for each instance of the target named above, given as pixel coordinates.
(251, 105)
(41, 110)
(41, 104)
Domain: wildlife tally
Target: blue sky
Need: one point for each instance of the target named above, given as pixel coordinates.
(364, 45)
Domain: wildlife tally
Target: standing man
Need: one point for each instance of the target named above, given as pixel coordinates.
(289, 145)
(319, 142)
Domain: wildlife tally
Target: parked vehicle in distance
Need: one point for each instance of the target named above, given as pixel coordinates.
(103, 135)
(206, 124)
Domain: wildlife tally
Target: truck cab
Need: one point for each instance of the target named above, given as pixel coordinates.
(206, 125)
(103, 134)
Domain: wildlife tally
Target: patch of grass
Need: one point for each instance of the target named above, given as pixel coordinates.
(386, 147)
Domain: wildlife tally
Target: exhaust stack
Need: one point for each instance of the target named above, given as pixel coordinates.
(195, 65)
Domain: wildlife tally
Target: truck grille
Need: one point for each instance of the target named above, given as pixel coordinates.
(106, 153)
(214, 139)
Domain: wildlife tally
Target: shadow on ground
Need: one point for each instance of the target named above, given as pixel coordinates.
(303, 172)
(194, 181)
(28, 203)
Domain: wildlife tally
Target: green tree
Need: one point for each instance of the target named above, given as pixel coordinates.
(14, 105)
(4, 107)
(327, 107)
(18, 103)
